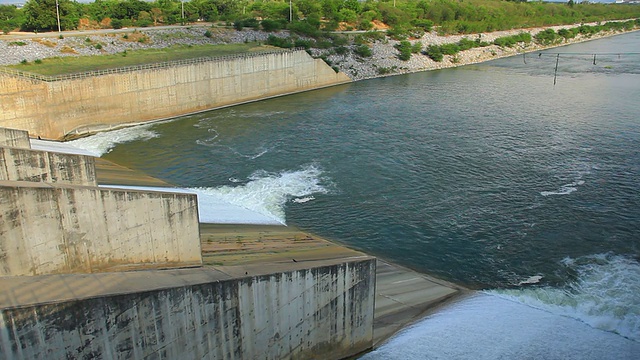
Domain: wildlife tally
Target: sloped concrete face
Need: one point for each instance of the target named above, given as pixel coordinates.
(49, 229)
(14, 138)
(42, 166)
(324, 312)
(58, 108)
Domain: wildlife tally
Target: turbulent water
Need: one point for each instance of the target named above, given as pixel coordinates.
(489, 175)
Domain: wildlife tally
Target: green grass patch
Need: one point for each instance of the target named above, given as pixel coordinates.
(70, 65)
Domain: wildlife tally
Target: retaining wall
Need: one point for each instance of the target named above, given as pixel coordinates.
(43, 166)
(53, 109)
(324, 312)
(14, 138)
(54, 228)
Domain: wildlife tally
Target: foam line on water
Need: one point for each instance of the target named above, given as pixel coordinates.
(564, 189)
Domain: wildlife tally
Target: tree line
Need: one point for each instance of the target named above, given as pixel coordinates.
(403, 17)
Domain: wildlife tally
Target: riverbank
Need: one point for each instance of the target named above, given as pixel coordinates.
(384, 60)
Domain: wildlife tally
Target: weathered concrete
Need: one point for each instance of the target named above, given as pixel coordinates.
(323, 312)
(43, 166)
(57, 108)
(58, 228)
(14, 138)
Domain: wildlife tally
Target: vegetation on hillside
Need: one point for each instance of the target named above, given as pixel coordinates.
(310, 17)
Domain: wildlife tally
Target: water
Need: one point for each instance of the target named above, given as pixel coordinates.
(487, 175)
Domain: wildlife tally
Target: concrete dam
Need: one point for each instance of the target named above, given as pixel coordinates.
(68, 251)
(53, 107)
(90, 270)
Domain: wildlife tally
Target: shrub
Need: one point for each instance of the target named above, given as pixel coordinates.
(60, 37)
(424, 24)
(116, 23)
(272, 25)
(17, 43)
(363, 51)
(547, 37)
(279, 42)
(416, 47)
(339, 40)
(304, 28)
(208, 34)
(404, 47)
(302, 43)
(38, 61)
(98, 46)
(24, 62)
(449, 49)
(434, 52)
(341, 50)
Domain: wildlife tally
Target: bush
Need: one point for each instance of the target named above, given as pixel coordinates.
(339, 40)
(24, 62)
(510, 41)
(434, 52)
(38, 61)
(208, 34)
(363, 51)
(341, 50)
(303, 43)
(280, 42)
(272, 25)
(98, 46)
(116, 23)
(404, 47)
(424, 24)
(449, 49)
(304, 28)
(547, 37)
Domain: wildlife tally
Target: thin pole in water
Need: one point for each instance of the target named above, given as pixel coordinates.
(555, 73)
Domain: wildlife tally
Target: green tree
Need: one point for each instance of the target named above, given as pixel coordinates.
(11, 18)
(40, 15)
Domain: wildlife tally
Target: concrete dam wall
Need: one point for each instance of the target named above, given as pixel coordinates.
(324, 313)
(67, 248)
(64, 105)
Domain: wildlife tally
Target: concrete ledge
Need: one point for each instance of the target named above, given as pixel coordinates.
(324, 311)
(14, 138)
(59, 228)
(42, 166)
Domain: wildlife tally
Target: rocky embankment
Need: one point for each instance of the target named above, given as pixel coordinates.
(383, 62)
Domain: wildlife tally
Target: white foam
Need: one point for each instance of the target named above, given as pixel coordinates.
(212, 209)
(564, 190)
(531, 280)
(59, 147)
(267, 193)
(485, 326)
(303, 199)
(103, 142)
(605, 294)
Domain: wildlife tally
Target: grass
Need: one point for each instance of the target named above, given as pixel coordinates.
(70, 65)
